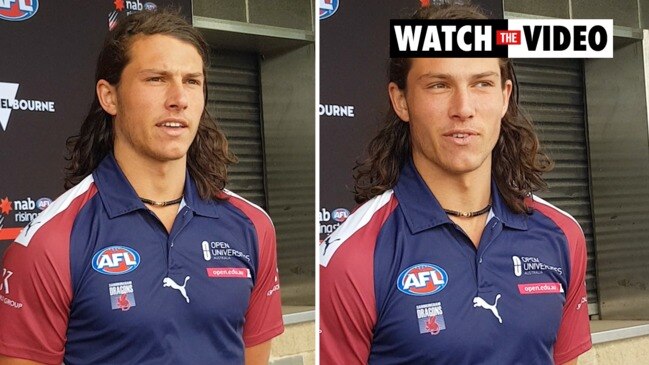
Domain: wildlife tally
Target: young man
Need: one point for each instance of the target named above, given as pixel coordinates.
(147, 259)
(435, 266)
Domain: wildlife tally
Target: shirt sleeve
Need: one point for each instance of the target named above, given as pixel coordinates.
(35, 296)
(347, 306)
(574, 337)
(347, 298)
(264, 316)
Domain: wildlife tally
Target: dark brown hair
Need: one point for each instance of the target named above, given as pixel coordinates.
(518, 161)
(208, 155)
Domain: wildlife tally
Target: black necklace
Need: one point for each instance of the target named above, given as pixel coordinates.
(468, 214)
(161, 204)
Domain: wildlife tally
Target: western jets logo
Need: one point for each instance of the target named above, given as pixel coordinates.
(422, 279)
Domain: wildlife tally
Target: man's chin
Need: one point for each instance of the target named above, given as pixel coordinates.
(171, 156)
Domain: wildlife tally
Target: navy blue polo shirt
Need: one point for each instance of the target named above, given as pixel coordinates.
(99, 279)
(401, 283)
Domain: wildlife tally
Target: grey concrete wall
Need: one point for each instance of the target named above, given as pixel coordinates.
(288, 102)
(619, 159)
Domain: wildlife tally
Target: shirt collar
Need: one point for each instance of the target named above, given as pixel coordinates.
(422, 210)
(120, 198)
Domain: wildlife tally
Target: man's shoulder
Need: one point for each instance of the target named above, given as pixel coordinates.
(564, 221)
(363, 225)
(256, 214)
(59, 216)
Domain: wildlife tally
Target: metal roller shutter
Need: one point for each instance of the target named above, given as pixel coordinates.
(552, 93)
(233, 99)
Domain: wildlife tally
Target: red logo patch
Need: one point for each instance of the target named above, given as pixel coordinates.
(228, 272)
(540, 288)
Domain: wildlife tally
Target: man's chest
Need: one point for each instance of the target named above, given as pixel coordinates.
(458, 303)
(128, 272)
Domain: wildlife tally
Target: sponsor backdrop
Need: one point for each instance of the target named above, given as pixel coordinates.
(354, 49)
(47, 70)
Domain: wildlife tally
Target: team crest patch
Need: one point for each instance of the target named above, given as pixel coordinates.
(431, 318)
(422, 279)
(121, 295)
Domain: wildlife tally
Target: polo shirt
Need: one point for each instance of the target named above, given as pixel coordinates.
(97, 279)
(400, 283)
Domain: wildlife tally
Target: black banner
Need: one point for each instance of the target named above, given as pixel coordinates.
(446, 38)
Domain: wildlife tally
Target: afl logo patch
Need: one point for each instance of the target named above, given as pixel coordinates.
(115, 260)
(328, 8)
(422, 279)
(17, 11)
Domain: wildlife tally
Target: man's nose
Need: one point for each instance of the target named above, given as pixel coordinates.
(176, 96)
(462, 104)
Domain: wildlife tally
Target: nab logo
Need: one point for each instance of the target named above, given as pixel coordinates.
(116, 260)
(328, 8)
(422, 279)
(18, 10)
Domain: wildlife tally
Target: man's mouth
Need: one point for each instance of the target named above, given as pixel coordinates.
(171, 125)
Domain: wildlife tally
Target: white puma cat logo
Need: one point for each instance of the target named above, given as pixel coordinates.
(479, 302)
(170, 283)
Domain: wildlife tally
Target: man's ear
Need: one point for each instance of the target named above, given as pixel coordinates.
(107, 95)
(399, 103)
(507, 92)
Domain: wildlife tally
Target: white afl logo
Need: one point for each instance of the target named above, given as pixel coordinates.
(206, 251)
(518, 270)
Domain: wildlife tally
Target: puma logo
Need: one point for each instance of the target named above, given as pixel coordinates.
(170, 283)
(479, 302)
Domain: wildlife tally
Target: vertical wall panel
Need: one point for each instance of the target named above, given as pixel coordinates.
(617, 129)
(234, 101)
(289, 105)
(551, 92)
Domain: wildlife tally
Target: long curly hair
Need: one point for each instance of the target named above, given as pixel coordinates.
(518, 162)
(208, 155)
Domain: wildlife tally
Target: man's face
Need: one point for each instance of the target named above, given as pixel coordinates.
(454, 107)
(159, 100)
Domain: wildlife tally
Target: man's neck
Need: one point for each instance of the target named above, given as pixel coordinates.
(151, 179)
(467, 192)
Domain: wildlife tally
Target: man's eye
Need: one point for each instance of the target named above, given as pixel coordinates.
(154, 79)
(438, 85)
(194, 82)
(484, 84)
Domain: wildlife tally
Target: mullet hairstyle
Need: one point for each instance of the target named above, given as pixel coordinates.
(208, 155)
(518, 162)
